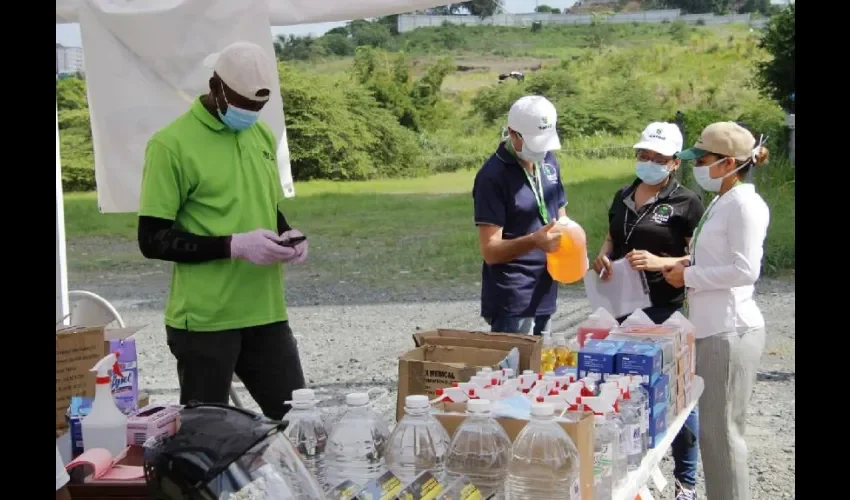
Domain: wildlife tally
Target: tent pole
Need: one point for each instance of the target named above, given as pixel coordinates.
(62, 306)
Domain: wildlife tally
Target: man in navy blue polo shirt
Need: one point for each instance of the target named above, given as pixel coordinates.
(518, 199)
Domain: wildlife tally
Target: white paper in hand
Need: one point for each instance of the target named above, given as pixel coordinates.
(622, 294)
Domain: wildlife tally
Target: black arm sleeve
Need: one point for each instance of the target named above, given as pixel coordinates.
(159, 240)
(282, 225)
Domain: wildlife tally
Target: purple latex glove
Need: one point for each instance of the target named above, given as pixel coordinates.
(261, 247)
(300, 249)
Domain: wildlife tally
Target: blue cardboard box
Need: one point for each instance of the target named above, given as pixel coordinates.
(659, 392)
(598, 356)
(640, 358)
(77, 410)
(657, 424)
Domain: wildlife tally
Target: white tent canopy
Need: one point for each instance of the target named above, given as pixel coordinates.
(143, 62)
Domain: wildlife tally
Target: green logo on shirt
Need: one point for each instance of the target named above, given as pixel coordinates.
(662, 213)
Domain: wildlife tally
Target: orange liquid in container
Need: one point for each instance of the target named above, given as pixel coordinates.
(569, 263)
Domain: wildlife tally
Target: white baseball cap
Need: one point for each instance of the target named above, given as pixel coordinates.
(534, 118)
(662, 137)
(245, 68)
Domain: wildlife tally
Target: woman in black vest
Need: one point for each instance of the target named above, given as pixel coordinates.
(650, 223)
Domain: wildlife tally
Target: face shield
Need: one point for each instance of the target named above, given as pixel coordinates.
(225, 453)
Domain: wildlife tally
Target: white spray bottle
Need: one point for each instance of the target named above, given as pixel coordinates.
(105, 426)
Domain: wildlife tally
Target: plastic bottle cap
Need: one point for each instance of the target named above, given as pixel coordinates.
(357, 399)
(416, 401)
(486, 369)
(542, 409)
(303, 395)
(528, 372)
(478, 405)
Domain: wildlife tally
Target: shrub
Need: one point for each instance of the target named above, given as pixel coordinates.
(76, 179)
(336, 130)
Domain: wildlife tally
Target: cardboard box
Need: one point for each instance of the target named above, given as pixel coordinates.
(528, 345)
(659, 392)
(78, 349)
(658, 426)
(598, 356)
(430, 367)
(640, 358)
(667, 338)
(580, 432)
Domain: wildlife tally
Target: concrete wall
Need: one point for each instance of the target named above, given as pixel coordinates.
(409, 22)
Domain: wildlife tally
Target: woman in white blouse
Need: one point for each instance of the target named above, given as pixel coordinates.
(726, 253)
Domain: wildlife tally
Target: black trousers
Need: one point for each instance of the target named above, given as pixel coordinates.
(264, 357)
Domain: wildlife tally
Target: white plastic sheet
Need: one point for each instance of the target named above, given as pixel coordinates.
(283, 12)
(622, 294)
(144, 65)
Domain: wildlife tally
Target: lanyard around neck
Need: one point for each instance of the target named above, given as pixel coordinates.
(537, 189)
(535, 183)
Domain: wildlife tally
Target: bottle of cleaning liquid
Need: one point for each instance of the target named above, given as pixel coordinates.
(569, 263)
(606, 444)
(562, 352)
(480, 450)
(357, 444)
(105, 426)
(597, 326)
(547, 354)
(610, 394)
(544, 460)
(640, 396)
(574, 348)
(418, 443)
(632, 413)
(307, 433)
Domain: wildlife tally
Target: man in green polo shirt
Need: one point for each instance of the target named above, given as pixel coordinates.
(211, 203)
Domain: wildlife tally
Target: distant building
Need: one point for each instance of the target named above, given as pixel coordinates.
(69, 60)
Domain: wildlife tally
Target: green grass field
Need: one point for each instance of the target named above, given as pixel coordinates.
(417, 231)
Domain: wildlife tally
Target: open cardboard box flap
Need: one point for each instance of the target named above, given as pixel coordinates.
(528, 345)
(425, 369)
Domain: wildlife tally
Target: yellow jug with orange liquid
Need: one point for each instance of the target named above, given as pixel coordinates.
(568, 263)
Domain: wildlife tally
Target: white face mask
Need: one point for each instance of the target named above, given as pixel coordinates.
(703, 177)
(532, 156)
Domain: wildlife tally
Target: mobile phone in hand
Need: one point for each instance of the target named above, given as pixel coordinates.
(291, 242)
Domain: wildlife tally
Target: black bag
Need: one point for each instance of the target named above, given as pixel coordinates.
(220, 451)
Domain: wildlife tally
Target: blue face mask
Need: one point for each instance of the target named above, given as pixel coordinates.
(237, 118)
(651, 173)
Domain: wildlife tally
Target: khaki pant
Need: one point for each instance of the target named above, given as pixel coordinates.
(728, 363)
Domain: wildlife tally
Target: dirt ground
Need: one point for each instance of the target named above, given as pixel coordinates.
(350, 337)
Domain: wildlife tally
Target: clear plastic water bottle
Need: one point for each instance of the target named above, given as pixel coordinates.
(418, 443)
(640, 396)
(606, 448)
(544, 460)
(306, 431)
(634, 442)
(357, 444)
(611, 392)
(480, 450)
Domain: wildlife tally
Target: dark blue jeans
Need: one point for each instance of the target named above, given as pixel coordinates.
(536, 325)
(686, 445)
(686, 452)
